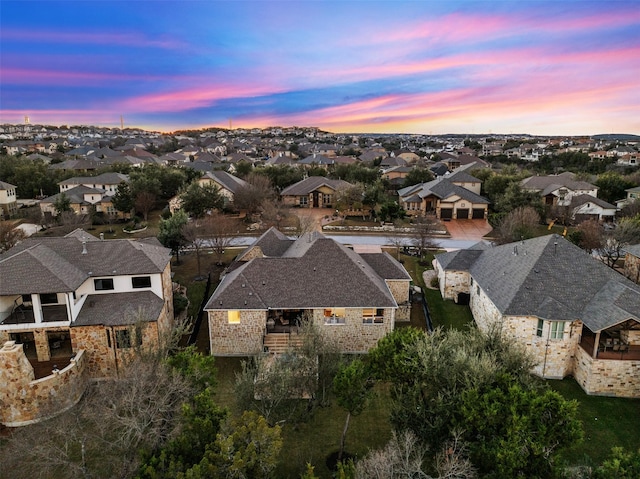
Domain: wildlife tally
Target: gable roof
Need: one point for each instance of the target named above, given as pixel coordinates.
(311, 272)
(120, 309)
(57, 264)
(443, 188)
(550, 183)
(103, 179)
(227, 180)
(553, 279)
(312, 183)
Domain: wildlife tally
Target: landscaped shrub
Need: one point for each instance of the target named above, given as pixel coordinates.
(434, 282)
(180, 303)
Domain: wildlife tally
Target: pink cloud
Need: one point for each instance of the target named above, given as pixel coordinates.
(99, 38)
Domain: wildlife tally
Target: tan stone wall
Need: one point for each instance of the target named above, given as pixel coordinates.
(607, 377)
(553, 357)
(246, 338)
(630, 336)
(399, 290)
(354, 336)
(484, 312)
(242, 339)
(105, 360)
(632, 267)
(454, 282)
(24, 400)
(253, 252)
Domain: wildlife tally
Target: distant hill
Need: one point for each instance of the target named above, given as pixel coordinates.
(616, 137)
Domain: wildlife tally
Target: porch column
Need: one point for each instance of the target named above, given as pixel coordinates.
(37, 308)
(595, 346)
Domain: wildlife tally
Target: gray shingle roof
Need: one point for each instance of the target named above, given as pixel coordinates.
(48, 265)
(227, 180)
(122, 309)
(551, 278)
(314, 272)
(580, 200)
(306, 186)
(385, 266)
(443, 188)
(543, 183)
(462, 259)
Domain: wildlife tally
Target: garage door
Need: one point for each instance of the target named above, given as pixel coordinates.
(478, 214)
(462, 214)
(446, 213)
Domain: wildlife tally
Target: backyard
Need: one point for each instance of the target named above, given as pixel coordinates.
(607, 422)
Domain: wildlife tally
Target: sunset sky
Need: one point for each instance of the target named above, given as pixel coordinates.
(542, 67)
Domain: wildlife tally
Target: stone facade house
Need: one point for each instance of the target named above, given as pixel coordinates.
(572, 313)
(354, 298)
(454, 196)
(313, 192)
(76, 297)
(632, 263)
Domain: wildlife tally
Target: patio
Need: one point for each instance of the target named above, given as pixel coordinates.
(607, 349)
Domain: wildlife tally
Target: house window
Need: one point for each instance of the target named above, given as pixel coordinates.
(108, 338)
(471, 280)
(334, 316)
(49, 298)
(233, 317)
(141, 282)
(326, 199)
(103, 284)
(539, 328)
(478, 289)
(123, 339)
(304, 201)
(557, 329)
(372, 316)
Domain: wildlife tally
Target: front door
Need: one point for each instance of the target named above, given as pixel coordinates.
(316, 201)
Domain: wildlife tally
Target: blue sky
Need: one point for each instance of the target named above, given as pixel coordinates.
(570, 67)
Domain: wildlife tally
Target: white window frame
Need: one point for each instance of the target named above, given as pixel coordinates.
(333, 316)
(557, 330)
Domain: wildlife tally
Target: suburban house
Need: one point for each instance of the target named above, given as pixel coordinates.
(558, 190)
(586, 207)
(632, 262)
(107, 182)
(454, 196)
(79, 307)
(572, 313)
(276, 282)
(633, 194)
(85, 193)
(8, 200)
(226, 183)
(313, 192)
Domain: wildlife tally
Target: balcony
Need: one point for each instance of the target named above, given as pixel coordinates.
(25, 314)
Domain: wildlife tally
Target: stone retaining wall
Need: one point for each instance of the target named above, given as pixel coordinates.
(25, 400)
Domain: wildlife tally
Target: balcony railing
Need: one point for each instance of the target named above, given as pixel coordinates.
(25, 315)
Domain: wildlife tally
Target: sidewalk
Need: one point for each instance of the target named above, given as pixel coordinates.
(469, 230)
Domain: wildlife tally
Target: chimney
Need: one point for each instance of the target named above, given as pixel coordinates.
(84, 246)
(102, 236)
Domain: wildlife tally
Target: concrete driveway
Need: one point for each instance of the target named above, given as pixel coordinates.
(470, 230)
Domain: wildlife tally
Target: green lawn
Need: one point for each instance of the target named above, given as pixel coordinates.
(607, 422)
(314, 440)
(444, 313)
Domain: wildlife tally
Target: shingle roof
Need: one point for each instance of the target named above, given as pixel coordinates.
(580, 200)
(227, 180)
(551, 278)
(385, 266)
(313, 272)
(48, 265)
(306, 186)
(6, 186)
(443, 188)
(542, 183)
(121, 309)
(103, 179)
(462, 259)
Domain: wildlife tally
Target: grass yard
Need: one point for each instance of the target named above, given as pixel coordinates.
(313, 441)
(607, 422)
(444, 313)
